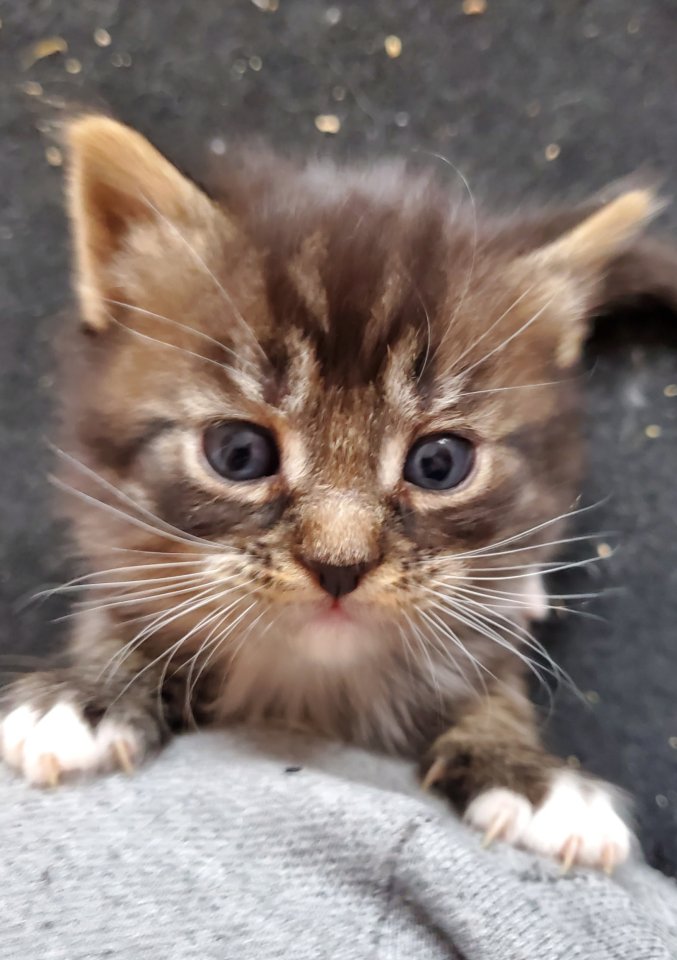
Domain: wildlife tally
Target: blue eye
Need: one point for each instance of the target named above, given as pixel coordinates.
(439, 462)
(241, 451)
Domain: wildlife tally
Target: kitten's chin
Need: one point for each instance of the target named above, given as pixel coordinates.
(334, 636)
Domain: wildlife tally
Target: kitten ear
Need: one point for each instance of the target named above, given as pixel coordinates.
(591, 245)
(581, 266)
(118, 182)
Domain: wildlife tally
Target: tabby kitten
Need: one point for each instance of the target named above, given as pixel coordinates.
(320, 443)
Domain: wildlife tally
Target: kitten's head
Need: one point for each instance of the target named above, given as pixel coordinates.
(324, 408)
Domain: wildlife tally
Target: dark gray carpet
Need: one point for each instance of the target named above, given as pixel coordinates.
(594, 82)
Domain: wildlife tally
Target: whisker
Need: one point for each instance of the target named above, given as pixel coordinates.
(475, 235)
(168, 652)
(198, 259)
(442, 631)
(431, 669)
(558, 674)
(524, 386)
(489, 614)
(181, 326)
(525, 569)
(164, 619)
(564, 541)
(409, 652)
(485, 617)
(216, 618)
(93, 606)
(119, 584)
(525, 533)
(142, 597)
(235, 653)
(127, 517)
(465, 583)
(459, 607)
(481, 626)
(516, 600)
(438, 624)
(80, 583)
(490, 328)
(216, 644)
(514, 606)
(158, 522)
(154, 553)
(168, 344)
(428, 337)
(77, 582)
(501, 346)
(546, 568)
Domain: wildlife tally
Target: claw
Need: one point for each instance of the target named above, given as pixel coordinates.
(51, 769)
(608, 858)
(569, 853)
(434, 774)
(122, 754)
(495, 828)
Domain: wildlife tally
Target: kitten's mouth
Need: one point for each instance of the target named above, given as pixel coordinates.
(333, 615)
(332, 633)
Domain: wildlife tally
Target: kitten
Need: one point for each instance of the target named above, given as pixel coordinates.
(320, 441)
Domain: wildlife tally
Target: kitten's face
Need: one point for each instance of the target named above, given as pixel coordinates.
(333, 406)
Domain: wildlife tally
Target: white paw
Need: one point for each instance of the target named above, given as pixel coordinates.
(575, 823)
(500, 813)
(578, 822)
(43, 747)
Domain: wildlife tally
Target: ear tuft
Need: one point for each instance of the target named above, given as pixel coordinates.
(118, 181)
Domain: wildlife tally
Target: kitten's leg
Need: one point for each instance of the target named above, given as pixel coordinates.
(492, 767)
(101, 712)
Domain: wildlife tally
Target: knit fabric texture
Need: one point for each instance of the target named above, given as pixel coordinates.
(250, 846)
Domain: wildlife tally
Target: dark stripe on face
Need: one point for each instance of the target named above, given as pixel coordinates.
(117, 450)
(552, 448)
(363, 250)
(194, 510)
(467, 526)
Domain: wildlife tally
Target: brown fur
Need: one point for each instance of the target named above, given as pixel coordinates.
(494, 744)
(349, 312)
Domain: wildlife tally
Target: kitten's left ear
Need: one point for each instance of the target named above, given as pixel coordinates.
(118, 184)
(601, 262)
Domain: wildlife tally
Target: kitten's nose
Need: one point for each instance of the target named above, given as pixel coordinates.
(337, 581)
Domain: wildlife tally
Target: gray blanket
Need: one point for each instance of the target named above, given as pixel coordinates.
(232, 845)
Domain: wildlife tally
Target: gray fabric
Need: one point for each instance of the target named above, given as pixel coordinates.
(218, 850)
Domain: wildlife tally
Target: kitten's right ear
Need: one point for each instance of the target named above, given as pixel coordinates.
(119, 182)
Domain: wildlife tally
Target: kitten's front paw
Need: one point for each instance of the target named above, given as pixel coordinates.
(46, 746)
(576, 822)
(53, 726)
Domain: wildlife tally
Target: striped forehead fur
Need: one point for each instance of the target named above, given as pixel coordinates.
(355, 260)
